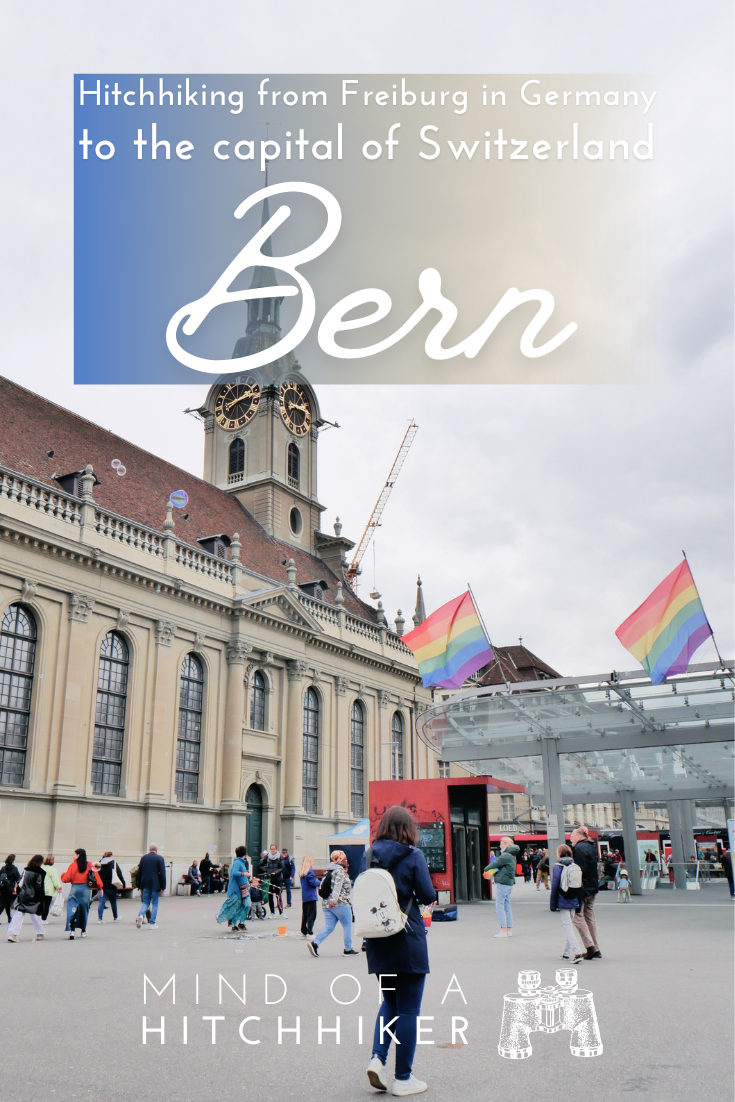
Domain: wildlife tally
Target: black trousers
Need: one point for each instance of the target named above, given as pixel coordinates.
(6, 902)
(308, 916)
(274, 898)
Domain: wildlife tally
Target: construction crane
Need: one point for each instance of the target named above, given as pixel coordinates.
(372, 524)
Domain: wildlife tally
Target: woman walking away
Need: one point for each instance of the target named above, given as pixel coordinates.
(402, 959)
(52, 886)
(504, 867)
(9, 877)
(81, 875)
(236, 906)
(337, 906)
(309, 886)
(29, 900)
(112, 879)
(567, 900)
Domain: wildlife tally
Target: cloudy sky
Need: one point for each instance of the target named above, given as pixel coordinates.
(563, 506)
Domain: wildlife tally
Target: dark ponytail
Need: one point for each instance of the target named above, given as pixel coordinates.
(81, 859)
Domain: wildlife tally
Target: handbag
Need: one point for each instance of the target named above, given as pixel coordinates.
(91, 879)
(57, 906)
(116, 881)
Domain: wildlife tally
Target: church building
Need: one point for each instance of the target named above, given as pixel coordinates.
(191, 669)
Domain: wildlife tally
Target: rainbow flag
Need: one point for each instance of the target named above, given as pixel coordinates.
(665, 631)
(450, 644)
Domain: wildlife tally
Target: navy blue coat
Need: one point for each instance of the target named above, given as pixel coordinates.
(309, 886)
(559, 901)
(406, 951)
(585, 855)
(152, 873)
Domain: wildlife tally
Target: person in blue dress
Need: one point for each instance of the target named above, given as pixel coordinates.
(236, 907)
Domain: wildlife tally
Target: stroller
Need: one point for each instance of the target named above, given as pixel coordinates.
(256, 900)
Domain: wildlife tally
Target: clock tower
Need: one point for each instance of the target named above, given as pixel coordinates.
(261, 428)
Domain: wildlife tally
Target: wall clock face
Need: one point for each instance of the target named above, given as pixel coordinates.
(295, 410)
(236, 404)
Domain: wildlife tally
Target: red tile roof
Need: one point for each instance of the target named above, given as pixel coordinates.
(515, 664)
(31, 426)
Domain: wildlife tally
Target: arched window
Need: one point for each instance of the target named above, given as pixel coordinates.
(396, 747)
(357, 760)
(189, 742)
(310, 776)
(254, 828)
(257, 702)
(237, 457)
(17, 659)
(294, 463)
(109, 720)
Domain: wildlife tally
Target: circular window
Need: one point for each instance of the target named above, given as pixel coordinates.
(294, 519)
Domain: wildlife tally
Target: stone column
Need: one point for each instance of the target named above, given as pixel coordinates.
(293, 749)
(552, 797)
(237, 652)
(630, 838)
(342, 750)
(162, 749)
(74, 735)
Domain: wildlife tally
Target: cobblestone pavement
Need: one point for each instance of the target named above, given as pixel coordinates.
(72, 1012)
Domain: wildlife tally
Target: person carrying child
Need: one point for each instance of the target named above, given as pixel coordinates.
(567, 895)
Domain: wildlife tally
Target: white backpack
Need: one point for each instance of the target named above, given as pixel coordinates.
(375, 904)
(571, 878)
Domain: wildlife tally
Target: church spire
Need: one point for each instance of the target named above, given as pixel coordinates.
(420, 614)
(264, 314)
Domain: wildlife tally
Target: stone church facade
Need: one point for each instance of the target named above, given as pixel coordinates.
(197, 676)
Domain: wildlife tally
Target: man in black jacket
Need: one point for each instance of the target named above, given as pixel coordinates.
(585, 855)
(274, 873)
(288, 867)
(151, 881)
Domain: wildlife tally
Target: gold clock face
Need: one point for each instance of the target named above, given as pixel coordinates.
(236, 404)
(295, 410)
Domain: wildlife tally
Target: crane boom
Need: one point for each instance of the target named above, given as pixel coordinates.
(372, 524)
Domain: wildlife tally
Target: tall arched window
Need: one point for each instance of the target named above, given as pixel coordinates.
(357, 760)
(254, 827)
(17, 659)
(396, 747)
(310, 775)
(237, 457)
(109, 720)
(294, 463)
(189, 742)
(257, 702)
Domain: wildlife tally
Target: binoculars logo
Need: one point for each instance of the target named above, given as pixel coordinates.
(549, 1009)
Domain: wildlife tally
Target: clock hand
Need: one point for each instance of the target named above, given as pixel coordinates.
(242, 398)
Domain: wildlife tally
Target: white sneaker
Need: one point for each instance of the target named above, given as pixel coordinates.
(118, 919)
(412, 1085)
(501, 933)
(509, 932)
(100, 921)
(14, 937)
(153, 926)
(83, 933)
(139, 921)
(377, 1075)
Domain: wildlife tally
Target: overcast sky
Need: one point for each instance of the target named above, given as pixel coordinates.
(563, 506)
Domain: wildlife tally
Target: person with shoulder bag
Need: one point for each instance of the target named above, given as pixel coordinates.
(83, 877)
(503, 868)
(566, 898)
(335, 891)
(387, 899)
(29, 900)
(9, 878)
(112, 880)
(236, 907)
(52, 889)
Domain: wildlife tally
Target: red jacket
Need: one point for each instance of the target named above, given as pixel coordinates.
(74, 876)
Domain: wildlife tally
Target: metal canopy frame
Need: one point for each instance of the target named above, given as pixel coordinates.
(601, 738)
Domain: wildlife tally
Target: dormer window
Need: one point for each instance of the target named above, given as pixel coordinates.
(72, 483)
(215, 545)
(314, 589)
(294, 463)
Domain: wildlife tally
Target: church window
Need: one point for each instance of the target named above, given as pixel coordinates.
(396, 747)
(311, 752)
(257, 702)
(189, 742)
(236, 469)
(294, 463)
(17, 660)
(357, 760)
(109, 720)
(294, 520)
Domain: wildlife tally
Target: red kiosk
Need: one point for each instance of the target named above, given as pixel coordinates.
(453, 828)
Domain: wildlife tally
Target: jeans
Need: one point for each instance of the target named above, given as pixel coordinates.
(287, 885)
(405, 1004)
(111, 894)
(77, 907)
(571, 944)
(308, 916)
(585, 924)
(333, 916)
(502, 905)
(149, 899)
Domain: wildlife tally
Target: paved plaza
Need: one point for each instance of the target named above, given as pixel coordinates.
(72, 1011)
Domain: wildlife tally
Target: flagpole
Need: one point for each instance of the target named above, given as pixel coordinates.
(722, 664)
